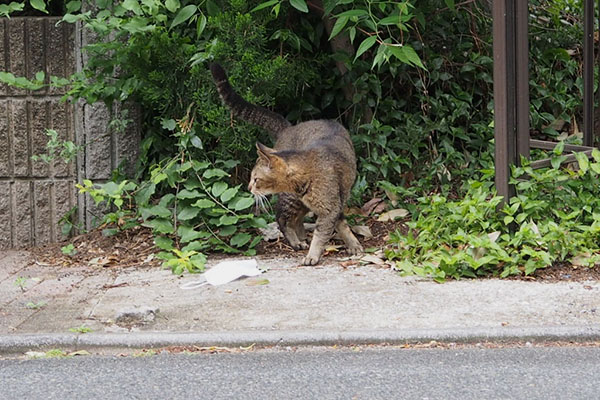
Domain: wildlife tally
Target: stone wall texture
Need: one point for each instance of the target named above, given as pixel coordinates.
(34, 196)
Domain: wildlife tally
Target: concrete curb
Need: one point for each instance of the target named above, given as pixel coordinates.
(19, 343)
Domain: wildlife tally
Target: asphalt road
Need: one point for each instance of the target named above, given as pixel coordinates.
(380, 373)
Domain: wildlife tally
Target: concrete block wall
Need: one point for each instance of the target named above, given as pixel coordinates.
(34, 196)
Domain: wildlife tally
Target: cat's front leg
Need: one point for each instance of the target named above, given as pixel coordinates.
(290, 217)
(323, 233)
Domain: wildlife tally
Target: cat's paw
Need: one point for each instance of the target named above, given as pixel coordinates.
(355, 250)
(310, 260)
(301, 246)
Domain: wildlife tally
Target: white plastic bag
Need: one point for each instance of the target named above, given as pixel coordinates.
(225, 272)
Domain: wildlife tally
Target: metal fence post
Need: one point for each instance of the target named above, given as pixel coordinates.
(588, 73)
(503, 14)
(511, 88)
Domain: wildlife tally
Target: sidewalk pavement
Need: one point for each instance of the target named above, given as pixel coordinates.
(289, 304)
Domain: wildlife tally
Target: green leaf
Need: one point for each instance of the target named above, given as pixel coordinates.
(218, 188)
(187, 234)
(215, 172)
(188, 213)
(160, 211)
(228, 230)
(188, 194)
(184, 14)
(197, 245)
(204, 203)
(450, 4)
(199, 29)
(168, 124)
(407, 55)
(138, 24)
(299, 5)
(555, 161)
(596, 155)
(163, 242)
(365, 45)
(172, 5)
(340, 23)
(212, 8)
(255, 241)
(143, 195)
(243, 203)
(265, 5)
(39, 5)
(559, 148)
(228, 220)
(228, 194)
(583, 161)
(196, 142)
(353, 13)
(39, 76)
(160, 225)
(132, 5)
(240, 239)
(73, 6)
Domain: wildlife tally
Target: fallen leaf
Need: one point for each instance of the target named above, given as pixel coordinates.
(371, 259)
(333, 248)
(581, 260)
(348, 263)
(35, 354)
(369, 207)
(494, 236)
(257, 282)
(103, 261)
(362, 230)
(79, 353)
(353, 211)
(392, 196)
(393, 214)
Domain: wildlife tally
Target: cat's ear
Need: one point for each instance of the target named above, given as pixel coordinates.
(263, 151)
(269, 155)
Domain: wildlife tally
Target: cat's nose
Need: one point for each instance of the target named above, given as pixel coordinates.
(250, 186)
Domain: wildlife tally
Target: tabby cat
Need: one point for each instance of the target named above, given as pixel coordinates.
(312, 166)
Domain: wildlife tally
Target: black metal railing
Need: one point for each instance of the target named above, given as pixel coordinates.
(511, 90)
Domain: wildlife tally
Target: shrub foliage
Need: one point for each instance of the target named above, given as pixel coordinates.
(411, 79)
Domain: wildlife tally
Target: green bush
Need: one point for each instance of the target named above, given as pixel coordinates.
(412, 80)
(552, 218)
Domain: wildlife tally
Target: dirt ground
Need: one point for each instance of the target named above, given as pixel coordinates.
(135, 248)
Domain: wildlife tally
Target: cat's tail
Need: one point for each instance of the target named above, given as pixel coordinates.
(257, 115)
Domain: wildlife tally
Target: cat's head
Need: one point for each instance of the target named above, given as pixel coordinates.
(270, 174)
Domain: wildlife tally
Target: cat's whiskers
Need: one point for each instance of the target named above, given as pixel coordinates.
(262, 203)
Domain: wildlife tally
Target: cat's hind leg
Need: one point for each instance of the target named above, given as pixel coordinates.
(290, 214)
(353, 246)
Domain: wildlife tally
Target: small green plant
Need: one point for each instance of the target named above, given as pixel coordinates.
(81, 329)
(65, 149)
(36, 306)
(67, 225)
(145, 353)
(21, 282)
(68, 250)
(56, 353)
